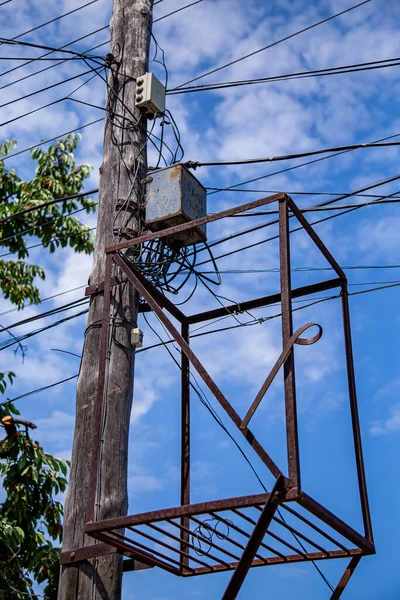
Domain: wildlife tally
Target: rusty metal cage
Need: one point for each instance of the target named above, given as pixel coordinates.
(235, 534)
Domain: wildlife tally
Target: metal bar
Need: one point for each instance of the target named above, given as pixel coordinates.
(97, 412)
(272, 534)
(130, 564)
(145, 557)
(267, 460)
(294, 339)
(333, 521)
(315, 527)
(315, 238)
(295, 558)
(86, 552)
(179, 511)
(162, 300)
(255, 540)
(178, 539)
(362, 483)
(161, 543)
(296, 532)
(345, 577)
(247, 535)
(292, 435)
(191, 224)
(209, 543)
(209, 555)
(185, 442)
(305, 290)
(135, 543)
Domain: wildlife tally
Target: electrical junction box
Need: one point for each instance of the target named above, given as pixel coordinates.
(174, 196)
(150, 95)
(136, 338)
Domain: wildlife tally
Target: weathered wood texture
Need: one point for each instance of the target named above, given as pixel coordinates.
(101, 578)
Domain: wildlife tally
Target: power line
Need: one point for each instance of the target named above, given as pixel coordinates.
(176, 11)
(61, 60)
(42, 389)
(354, 68)
(45, 204)
(6, 2)
(61, 135)
(324, 299)
(287, 169)
(21, 338)
(80, 287)
(288, 37)
(13, 42)
(45, 89)
(249, 161)
(48, 53)
(65, 98)
(49, 313)
(51, 21)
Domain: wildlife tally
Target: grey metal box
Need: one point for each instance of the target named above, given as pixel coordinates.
(175, 196)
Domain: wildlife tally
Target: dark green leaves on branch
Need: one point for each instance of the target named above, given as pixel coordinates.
(56, 176)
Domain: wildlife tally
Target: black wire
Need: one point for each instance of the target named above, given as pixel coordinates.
(80, 287)
(26, 336)
(13, 42)
(42, 389)
(7, 1)
(49, 313)
(288, 37)
(195, 164)
(49, 22)
(45, 204)
(178, 10)
(47, 54)
(206, 403)
(61, 135)
(354, 68)
(287, 169)
(35, 110)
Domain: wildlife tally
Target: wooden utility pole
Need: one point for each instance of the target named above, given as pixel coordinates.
(124, 156)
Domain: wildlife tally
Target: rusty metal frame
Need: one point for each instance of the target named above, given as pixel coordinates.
(117, 533)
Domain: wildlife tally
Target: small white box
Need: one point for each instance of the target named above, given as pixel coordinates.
(150, 94)
(136, 338)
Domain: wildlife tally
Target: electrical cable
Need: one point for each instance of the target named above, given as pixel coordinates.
(51, 52)
(8, 343)
(48, 203)
(61, 135)
(206, 403)
(353, 68)
(35, 110)
(80, 287)
(288, 37)
(49, 313)
(196, 164)
(176, 11)
(12, 42)
(42, 389)
(50, 22)
(287, 169)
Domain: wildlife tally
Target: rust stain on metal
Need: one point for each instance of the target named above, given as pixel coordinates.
(188, 537)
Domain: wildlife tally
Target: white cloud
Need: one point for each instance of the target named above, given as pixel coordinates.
(389, 425)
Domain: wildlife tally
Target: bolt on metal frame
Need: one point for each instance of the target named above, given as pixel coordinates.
(256, 542)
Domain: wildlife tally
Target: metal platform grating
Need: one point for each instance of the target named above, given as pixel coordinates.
(211, 537)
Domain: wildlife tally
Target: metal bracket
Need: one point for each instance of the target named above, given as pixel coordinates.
(79, 555)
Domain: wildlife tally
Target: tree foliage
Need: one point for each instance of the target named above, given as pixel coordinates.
(30, 515)
(56, 176)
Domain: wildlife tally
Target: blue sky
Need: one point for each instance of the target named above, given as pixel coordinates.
(264, 120)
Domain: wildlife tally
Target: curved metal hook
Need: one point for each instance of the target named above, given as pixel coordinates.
(294, 339)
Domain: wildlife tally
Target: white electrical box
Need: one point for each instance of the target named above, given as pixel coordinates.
(150, 95)
(136, 338)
